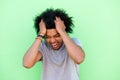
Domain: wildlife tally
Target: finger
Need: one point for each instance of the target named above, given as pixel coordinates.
(40, 22)
(57, 18)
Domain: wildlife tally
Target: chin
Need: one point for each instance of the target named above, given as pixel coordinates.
(56, 48)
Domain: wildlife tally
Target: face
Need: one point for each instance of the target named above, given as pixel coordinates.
(54, 39)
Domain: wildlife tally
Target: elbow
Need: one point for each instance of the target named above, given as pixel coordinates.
(27, 65)
(79, 61)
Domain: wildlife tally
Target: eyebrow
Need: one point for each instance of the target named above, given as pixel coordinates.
(53, 35)
(57, 34)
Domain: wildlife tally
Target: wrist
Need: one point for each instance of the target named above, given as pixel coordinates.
(39, 36)
(41, 33)
(62, 32)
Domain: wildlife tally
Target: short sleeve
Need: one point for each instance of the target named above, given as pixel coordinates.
(41, 48)
(77, 42)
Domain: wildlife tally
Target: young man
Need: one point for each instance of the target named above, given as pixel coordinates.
(60, 54)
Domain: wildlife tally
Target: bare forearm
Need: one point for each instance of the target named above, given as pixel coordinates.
(31, 55)
(74, 51)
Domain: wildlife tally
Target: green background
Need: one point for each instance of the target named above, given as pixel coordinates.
(97, 25)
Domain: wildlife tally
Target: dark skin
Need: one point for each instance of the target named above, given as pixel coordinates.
(54, 37)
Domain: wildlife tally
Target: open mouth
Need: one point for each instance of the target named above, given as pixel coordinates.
(55, 45)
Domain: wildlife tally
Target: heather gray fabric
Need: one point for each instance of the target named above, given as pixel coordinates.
(57, 64)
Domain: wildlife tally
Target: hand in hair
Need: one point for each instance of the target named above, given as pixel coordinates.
(60, 27)
(42, 28)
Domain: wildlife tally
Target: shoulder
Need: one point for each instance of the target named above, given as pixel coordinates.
(43, 45)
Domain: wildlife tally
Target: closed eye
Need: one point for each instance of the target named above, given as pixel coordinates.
(57, 35)
(47, 36)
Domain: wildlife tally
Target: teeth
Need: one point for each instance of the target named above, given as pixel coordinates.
(55, 44)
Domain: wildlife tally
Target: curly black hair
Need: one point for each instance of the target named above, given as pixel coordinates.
(48, 17)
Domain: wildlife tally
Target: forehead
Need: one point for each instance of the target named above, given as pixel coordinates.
(51, 32)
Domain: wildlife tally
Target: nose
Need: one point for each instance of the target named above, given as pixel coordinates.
(52, 40)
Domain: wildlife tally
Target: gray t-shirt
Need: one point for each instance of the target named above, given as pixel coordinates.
(57, 64)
